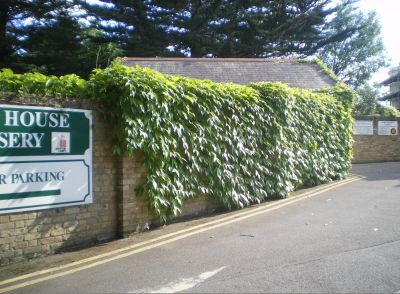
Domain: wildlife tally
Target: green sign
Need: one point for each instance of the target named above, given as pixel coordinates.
(45, 157)
(30, 132)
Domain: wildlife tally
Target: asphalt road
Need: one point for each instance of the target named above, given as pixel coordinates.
(346, 239)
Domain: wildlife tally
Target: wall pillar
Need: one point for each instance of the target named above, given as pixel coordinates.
(133, 213)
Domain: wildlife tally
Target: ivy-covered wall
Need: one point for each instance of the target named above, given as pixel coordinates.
(237, 144)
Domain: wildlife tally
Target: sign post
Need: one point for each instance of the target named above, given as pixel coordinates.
(45, 158)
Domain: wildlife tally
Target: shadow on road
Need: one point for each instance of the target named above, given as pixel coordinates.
(378, 171)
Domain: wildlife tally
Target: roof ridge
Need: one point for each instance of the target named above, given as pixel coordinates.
(209, 59)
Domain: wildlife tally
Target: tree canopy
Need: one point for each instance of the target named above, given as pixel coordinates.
(357, 57)
(367, 104)
(49, 37)
(17, 19)
(75, 36)
(219, 28)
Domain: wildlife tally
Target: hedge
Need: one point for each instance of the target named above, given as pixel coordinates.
(239, 144)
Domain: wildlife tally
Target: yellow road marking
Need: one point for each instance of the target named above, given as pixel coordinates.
(251, 210)
(196, 230)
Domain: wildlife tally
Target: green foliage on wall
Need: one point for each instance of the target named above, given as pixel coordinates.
(239, 144)
(387, 111)
(367, 104)
(37, 83)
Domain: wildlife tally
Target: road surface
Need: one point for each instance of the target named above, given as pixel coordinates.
(345, 238)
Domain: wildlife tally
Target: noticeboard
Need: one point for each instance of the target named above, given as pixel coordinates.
(45, 157)
(387, 128)
(363, 127)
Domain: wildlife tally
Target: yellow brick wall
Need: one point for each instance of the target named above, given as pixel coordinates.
(376, 148)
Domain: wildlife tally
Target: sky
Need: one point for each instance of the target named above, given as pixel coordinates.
(389, 13)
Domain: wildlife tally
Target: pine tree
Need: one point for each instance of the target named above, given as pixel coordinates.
(246, 28)
(16, 18)
(227, 28)
(44, 35)
(53, 47)
(129, 25)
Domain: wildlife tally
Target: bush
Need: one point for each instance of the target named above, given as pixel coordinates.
(37, 83)
(387, 111)
(238, 144)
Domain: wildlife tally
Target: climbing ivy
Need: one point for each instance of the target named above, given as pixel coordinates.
(322, 67)
(239, 144)
(37, 83)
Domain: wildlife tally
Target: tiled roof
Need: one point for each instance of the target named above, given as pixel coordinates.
(239, 70)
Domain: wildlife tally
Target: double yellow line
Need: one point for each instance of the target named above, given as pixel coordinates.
(73, 267)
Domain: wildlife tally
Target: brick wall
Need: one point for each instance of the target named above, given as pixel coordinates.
(376, 148)
(116, 211)
(27, 235)
(134, 215)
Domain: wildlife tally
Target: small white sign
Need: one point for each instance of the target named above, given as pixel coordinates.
(387, 128)
(30, 185)
(363, 127)
(60, 142)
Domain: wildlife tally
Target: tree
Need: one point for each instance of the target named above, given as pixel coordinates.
(16, 17)
(65, 47)
(387, 111)
(227, 28)
(273, 28)
(357, 57)
(49, 36)
(45, 36)
(129, 25)
(53, 47)
(96, 52)
(367, 103)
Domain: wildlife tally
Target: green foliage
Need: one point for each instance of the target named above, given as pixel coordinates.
(37, 83)
(367, 104)
(341, 93)
(355, 58)
(96, 52)
(239, 144)
(387, 111)
(324, 68)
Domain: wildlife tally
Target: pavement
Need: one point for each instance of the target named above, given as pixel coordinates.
(342, 237)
